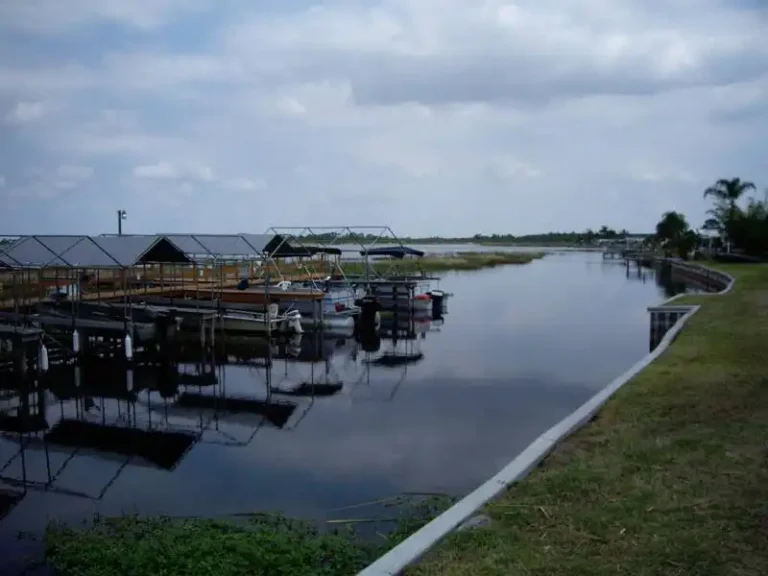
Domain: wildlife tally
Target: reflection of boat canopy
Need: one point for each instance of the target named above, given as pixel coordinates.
(393, 252)
(276, 413)
(309, 389)
(23, 423)
(394, 359)
(164, 449)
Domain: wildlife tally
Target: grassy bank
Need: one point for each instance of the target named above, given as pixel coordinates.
(440, 263)
(671, 477)
(257, 545)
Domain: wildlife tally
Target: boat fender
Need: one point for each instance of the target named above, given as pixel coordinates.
(43, 358)
(128, 347)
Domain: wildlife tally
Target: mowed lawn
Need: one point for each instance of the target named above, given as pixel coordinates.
(670, 478)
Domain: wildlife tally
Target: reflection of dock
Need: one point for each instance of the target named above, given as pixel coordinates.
(145, 415)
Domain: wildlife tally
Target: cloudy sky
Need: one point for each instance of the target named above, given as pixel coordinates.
(433, 116)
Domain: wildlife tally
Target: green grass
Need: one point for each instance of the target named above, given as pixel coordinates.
(459, 261)
(259, 545)
(670, 478)
(132, 546)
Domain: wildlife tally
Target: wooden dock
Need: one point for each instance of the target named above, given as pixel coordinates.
(9, 303)
(256, 295)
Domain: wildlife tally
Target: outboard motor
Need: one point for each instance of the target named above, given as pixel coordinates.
(438, 300)
(294, 321)
(243, 284)
(369, 341)
(369, 309)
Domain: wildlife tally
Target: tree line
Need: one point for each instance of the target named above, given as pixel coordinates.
(572, 238)
(736, 223)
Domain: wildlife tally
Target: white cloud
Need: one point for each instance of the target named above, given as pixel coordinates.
(170, 171)
(246, 184)
(25, 112)
(635, 105)
(72, 172)
(160, 171)
(69, 177)
(510, 168)
(52, 16)
(290, 106)
(660, 176)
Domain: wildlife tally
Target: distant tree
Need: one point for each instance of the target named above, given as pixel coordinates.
(674, 234)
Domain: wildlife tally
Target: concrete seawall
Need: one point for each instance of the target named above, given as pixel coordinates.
(699, 274)
(674, 318)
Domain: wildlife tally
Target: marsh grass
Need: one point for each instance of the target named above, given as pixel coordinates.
(252, 543)
(445, 263)
(670, 478)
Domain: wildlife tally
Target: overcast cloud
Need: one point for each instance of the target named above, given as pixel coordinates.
(433, 116)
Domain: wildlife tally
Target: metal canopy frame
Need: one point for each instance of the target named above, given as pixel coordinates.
(318, 235)
(257, 255)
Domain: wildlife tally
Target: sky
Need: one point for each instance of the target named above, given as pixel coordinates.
(434, 117)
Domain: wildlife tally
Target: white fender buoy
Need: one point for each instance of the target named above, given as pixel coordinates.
(128, 347)
(76, 342)
(43, 358)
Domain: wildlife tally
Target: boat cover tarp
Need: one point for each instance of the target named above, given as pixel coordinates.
(394, 252)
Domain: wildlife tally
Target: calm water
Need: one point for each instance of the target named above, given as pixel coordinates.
(520, 348)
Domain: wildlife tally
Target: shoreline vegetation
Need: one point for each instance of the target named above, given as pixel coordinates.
(254, 544)
(670, 478)
(545, 240)
(448, 262)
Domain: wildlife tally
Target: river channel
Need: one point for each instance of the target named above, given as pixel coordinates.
(519, 348)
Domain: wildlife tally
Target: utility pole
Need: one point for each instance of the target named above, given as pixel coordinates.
(121, 215)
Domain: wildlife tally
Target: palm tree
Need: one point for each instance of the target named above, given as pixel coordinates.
(729, 191)
(726, 193)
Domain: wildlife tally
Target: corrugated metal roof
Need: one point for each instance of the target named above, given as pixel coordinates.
(36, 251)
(222, 246)
(188, 244)
(258, 241)
(6, 262)
(229, 245)
(88, 252)
(127, 250)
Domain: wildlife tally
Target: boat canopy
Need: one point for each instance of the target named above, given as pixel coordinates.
(393, 251)
(307, 251)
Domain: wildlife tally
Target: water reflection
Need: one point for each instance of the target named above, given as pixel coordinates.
(175, 397)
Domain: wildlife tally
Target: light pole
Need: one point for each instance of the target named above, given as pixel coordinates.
(121, 215)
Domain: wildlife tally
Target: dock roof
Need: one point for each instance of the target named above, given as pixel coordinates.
(234, 246)
(40, 251)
